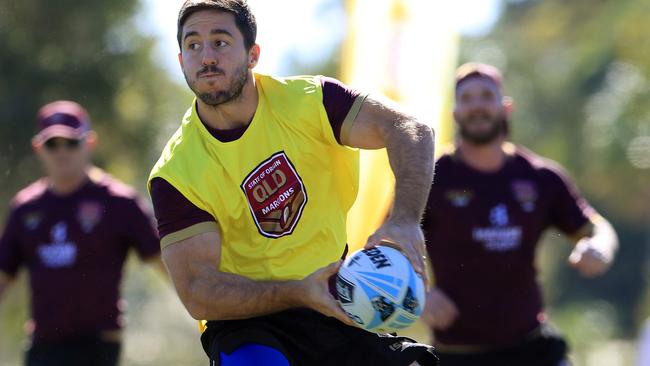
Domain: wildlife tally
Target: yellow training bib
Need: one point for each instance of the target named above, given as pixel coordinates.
(280, 193)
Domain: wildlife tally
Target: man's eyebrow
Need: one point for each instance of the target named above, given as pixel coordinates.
(190, 34)
(214, 31)
(221, 31)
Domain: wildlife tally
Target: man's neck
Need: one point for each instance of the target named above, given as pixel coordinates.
(233, 114)
(484, 158)
(64, 185)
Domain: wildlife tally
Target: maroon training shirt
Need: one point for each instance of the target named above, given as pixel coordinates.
(174, 212)
(74, 247)
(482, 230)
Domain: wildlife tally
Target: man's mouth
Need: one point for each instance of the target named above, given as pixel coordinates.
(209, 75)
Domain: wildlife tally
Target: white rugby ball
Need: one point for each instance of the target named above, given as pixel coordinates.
(379, 290)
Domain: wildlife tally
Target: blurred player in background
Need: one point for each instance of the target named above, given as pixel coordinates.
(72, 231)
(487, 208)
(251, 196)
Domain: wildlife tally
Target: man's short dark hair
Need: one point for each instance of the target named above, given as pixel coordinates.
(244, 18)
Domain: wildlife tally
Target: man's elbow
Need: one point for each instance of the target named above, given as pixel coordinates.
(199, 307)
(431, 132)
(419, 132)
(426, 131)
(196, 310)
(201, 311)
(192, 303)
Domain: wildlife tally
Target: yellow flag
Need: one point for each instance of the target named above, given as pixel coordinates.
(406, 50)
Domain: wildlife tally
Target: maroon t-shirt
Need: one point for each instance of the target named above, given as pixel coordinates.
(174, 212)
(74, 248)
(481, 231)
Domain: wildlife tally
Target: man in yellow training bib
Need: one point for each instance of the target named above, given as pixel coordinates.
(251, 195)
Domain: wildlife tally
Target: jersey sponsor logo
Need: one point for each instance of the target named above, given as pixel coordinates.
(499, 215)
(61, 252)
(459, 197)
(525, 192)
(501, 236)
(89, 213)
(276, 196)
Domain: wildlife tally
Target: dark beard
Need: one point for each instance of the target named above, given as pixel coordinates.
(214, 99)
(500, 128)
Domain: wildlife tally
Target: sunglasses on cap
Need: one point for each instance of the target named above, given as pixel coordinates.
(56, 143)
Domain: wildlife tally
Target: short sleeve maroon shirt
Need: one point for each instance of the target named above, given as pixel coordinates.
(74, 248)
(482, 230)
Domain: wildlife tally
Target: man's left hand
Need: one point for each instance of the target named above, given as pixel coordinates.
(588, 259)
(405, 237)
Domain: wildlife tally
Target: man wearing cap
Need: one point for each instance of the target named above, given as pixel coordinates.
(487, 208)
(72, 231)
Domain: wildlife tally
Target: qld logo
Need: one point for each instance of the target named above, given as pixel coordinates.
(276, 196)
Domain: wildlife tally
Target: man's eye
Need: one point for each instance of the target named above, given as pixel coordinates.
(488, 96)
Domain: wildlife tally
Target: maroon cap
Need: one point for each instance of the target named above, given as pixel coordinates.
(476, 69)
(62, 118)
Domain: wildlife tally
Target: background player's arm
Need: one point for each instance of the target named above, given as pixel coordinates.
(595, 248)
(208, 293)
(10, 254)
(440, 312)
(410, 147)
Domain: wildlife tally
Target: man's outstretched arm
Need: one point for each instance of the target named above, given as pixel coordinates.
(208, 293)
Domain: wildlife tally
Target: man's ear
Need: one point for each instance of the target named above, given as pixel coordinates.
(508, 105)
(455, 115)
(253, 56)
(37, 146)
(91, 140)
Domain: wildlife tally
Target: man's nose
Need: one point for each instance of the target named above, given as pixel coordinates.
(209, 56)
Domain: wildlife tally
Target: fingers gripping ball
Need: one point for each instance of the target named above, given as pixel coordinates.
(379, 290)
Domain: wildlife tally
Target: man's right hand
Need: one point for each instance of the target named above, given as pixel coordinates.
(439, 311)
(315, 293)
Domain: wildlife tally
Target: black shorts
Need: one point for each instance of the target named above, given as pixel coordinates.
(82, 351)
(546, 348)
(308, 338)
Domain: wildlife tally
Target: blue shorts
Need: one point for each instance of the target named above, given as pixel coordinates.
(250, 354)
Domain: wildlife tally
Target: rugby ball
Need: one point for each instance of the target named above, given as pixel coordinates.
(379, 290)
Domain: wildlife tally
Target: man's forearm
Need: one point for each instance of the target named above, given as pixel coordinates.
(410, 150)
(223, 296)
